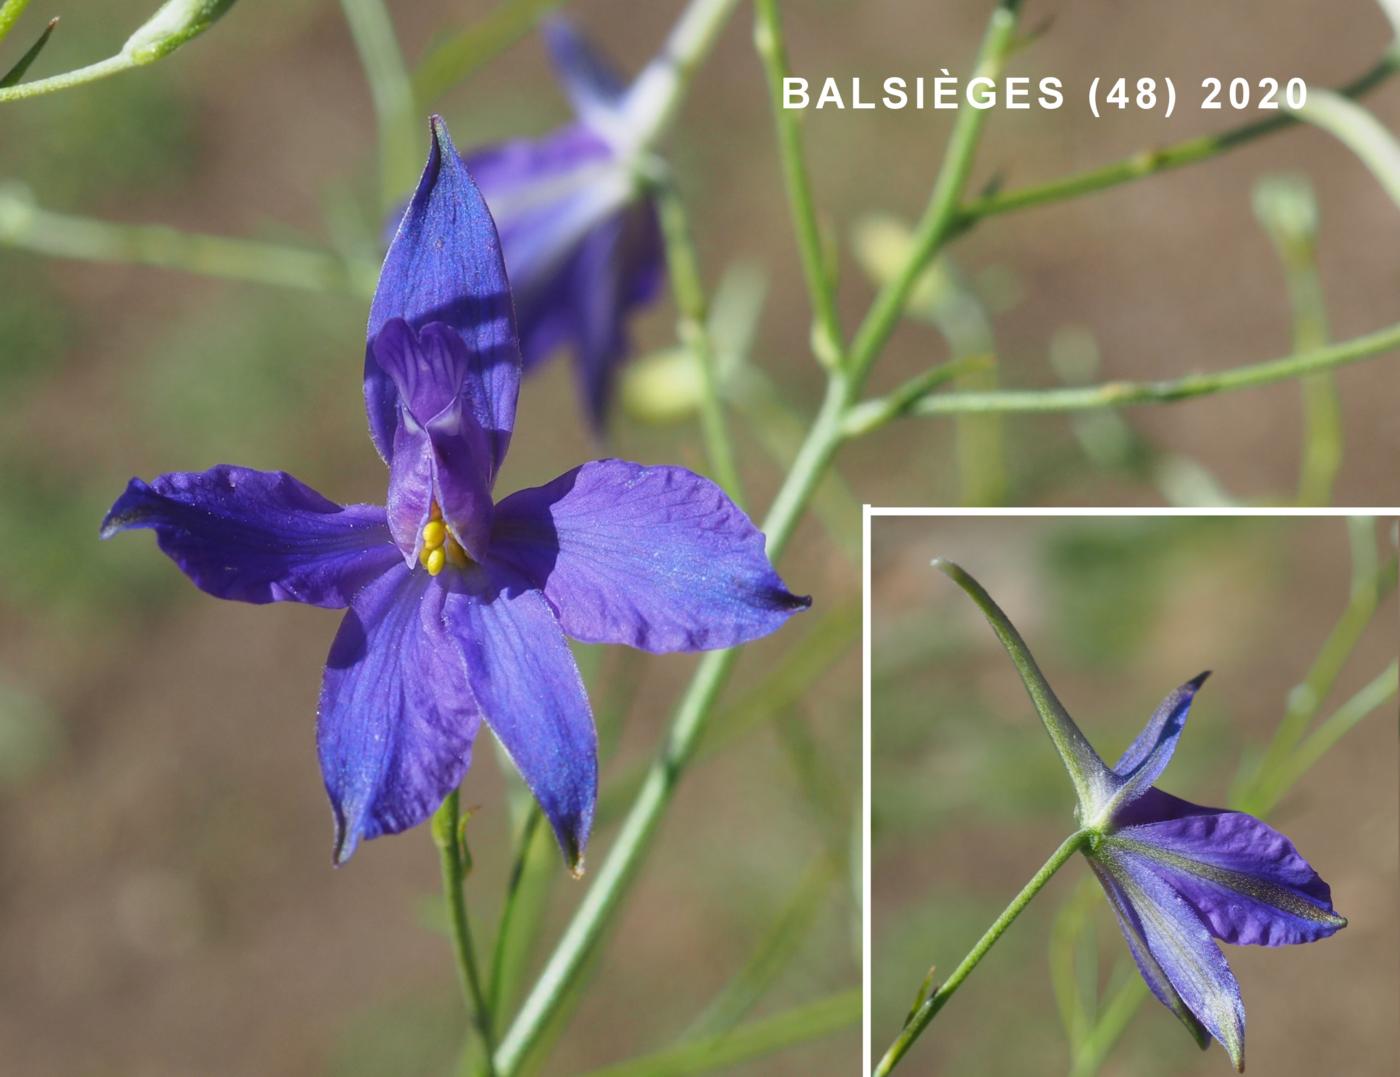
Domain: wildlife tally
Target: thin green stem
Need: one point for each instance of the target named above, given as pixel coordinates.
(395, 108)
(447, 835)
(1376, 693)
(1151, 162)
(928, 1010)
(941, 216)
(1112, 1020)
(1307, 697)
(113, 65)
(693, 328)
(565, 965)
(26, 226)
(826, 330)
(1123, 393)
(507, 954)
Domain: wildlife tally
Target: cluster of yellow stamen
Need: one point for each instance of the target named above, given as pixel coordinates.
(439, 547)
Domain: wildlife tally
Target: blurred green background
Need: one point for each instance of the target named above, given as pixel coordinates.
(969, 797)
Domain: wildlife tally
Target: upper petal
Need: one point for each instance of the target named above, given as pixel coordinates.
(1246, 880)
(257, 536)
(1152, 749)
(594, 88)
(1182, 947)
(445, 265)
(396, 719)
(654, 557)
(530, 693)
(441, 453)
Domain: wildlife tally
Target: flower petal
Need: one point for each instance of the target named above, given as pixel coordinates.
(1180, 944)
(531, 695)
(445, 265)
(1151, 751)
(618, 267)
(396, 719)
(257, 536)
(593, 86)
(653, 557)
(1152, 972)
(441, 453)
(1245, 879)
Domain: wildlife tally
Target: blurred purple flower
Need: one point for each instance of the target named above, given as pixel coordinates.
(458, 605)
(1178, 875)
(581, 237)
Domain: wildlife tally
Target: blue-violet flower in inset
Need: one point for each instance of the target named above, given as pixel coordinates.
(580, 235)
(459, 605)
(1177, 875)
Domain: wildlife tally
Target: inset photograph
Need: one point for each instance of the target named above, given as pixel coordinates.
(1132, 779)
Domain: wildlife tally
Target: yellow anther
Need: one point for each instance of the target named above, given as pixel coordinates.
(456, 556)
(434, 561)
(434, 532)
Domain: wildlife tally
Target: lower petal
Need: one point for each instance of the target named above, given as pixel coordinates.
(653, 557)
(396, 720)
(530, 692)
(258, 536)
(1179, 943)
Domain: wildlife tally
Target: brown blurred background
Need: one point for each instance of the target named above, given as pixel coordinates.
(969, 797)
(165, 901)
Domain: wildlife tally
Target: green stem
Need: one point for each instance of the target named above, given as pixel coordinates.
(826, 332)
(749, 1041)
(1374, 694)
(814, 457)
(1151, 162)
(694, 333)
(1259, 794)
(1122, 393)
(26, 226)
(446, 828)
(113, 65)
(395, 108)
(926, 1012)
(941, 216)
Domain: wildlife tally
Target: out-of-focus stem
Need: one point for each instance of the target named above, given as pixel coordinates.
(689, 293)
(826, 331)
(395, 109)
(25, 225)
(939, 219)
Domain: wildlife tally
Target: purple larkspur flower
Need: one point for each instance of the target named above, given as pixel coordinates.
(1178, 875)
(460, 606)
(580, 234)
